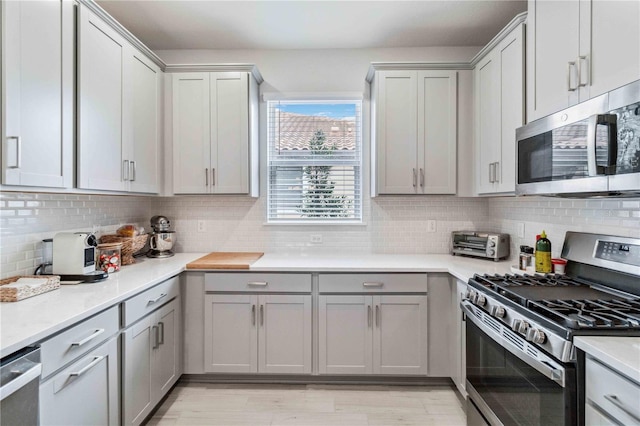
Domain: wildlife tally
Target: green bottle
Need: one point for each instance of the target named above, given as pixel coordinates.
(543, 254)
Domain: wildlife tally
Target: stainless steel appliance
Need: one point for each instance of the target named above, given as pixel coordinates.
(162, 239)
(522, 367)
(19, 387)
(480, 244)
(590, 149)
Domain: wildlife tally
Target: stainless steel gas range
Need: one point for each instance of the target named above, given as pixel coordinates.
(522, 367)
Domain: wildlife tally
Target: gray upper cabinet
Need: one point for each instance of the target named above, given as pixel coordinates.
(214, 133)
(414, 131)
(579, 49)
(499, 97)
(38, 90)
(118, 111)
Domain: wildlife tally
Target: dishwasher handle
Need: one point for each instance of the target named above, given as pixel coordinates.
(22, 378)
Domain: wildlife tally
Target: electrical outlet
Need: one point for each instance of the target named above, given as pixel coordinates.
(316, 239)
(202, 226)
(431, 226)
(520, 229)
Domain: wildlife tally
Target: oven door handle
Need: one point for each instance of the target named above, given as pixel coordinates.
(543, 364)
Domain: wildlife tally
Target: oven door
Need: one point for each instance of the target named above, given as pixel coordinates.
(509, 381)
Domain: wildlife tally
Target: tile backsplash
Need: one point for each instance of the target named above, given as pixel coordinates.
(392, 224)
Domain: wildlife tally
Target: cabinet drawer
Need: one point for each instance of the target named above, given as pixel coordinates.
(150, 300)
(258, 282)
(614, 393)
(79, 339)
(373, 283)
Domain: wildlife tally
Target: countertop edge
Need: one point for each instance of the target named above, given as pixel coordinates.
(612, 355)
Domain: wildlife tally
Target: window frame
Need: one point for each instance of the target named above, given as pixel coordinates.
(358, 185)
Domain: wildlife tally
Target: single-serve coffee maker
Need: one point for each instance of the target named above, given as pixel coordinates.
(162, 239)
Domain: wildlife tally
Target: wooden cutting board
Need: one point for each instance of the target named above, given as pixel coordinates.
(225, 260)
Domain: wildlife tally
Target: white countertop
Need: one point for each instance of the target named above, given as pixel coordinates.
(619, 353)
(31, 320)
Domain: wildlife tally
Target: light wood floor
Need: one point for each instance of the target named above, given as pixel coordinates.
(322, 405)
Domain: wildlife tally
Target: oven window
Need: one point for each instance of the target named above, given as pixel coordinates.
(516, 393)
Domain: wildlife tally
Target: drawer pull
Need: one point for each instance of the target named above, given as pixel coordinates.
(89, 366)
(96, 333)
(258, 283)
(372, 284)
(615, 401)
(157, 299)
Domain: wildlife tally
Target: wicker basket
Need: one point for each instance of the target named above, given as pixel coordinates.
(15, 294)
(130, 245)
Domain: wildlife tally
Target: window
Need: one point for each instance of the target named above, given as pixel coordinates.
(314, 162)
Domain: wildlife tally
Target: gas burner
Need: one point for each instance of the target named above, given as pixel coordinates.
(591, 314)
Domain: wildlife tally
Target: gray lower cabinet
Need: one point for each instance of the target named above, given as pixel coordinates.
(150, 360)
(381, 334)
(85, 392)
(251, 333)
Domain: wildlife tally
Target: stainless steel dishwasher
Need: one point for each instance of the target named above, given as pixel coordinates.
(19, 387)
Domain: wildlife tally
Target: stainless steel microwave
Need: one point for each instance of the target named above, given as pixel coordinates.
(590, 149)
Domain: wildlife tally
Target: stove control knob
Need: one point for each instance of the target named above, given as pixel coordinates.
(469, 294)
(481, 300)
(536, 336)
(515, 325)
(498, 311)
(524, 326)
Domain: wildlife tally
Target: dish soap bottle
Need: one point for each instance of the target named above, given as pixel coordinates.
(543, 254)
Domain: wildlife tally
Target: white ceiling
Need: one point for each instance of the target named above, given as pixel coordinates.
(308, 24)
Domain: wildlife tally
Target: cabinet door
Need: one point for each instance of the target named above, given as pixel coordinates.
(229, 132)
(191, 139)
(345, 334)
(400, 335)
(487, 122)
(552, 48)
(101, 56)
(86, 393)
(142, 121)
(511, 116)
(138, 343)
(396, 131)
(437, 131)
(610, 45)
(284, 336)
(37, 139)
(165, 359)
(231, 333)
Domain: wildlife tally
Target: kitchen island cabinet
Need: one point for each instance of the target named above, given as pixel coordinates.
(38, 92)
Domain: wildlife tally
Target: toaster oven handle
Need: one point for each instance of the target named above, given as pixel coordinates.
(609, 120)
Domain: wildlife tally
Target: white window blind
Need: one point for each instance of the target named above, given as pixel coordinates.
(314, 161)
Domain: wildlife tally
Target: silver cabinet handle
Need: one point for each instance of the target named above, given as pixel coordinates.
(213, 176)
(615, 401)
(415, 178)
(369, 314)
(261, 314)
(496, 171)
(96, 333)
(253, 314)
(132, 170)
(21, 379)
(570, 65)
(96, 361)
(378, 319)
(157, 299)
(581, 60)
(156, 337)
(421, 177)
(161, 327)
(372, 284)
(206, 176)
(125, 169)
(258, 283)
(18, 152)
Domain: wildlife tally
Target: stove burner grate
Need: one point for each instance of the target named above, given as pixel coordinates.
(591, 314)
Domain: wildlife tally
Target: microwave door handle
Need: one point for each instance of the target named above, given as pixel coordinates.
(609, 120)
